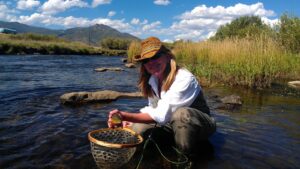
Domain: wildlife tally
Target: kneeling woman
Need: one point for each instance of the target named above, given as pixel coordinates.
(175, 99)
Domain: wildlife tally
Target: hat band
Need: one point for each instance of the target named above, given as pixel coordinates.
(150, 49)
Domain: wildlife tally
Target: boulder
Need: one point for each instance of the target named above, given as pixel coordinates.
(98, 96)
(130, 65)
(107, 68)
(294, 84)
(232, 99)
(124, 60)
(231, 102)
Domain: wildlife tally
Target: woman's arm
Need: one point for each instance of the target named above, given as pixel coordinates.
(136, 117)
(129, 117)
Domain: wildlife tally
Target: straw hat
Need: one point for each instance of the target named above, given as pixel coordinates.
(149, 47)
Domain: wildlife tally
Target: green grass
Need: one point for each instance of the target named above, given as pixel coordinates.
(252, 63)
(43, 44)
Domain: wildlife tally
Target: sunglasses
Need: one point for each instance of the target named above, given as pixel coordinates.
(154, 58)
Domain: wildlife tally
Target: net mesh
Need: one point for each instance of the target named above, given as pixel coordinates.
(112, 148)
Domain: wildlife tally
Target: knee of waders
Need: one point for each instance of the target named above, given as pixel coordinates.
(181, 115)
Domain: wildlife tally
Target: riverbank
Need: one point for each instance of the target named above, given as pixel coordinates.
(252, 63)
(49, 45)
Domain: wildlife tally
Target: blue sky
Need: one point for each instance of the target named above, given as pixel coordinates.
(167, 19)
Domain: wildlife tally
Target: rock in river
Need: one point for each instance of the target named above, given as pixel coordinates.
(103, 69)
(294, 84)
(98, 96)
(230, 102)
(232, 99)
(130, 65)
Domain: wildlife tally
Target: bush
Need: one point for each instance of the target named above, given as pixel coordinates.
(115, 43)
(289, 33)
(246, 26)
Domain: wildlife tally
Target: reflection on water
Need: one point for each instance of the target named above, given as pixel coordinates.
(37, 132)
(264, 133)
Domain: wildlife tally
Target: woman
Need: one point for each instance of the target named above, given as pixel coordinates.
(175, 99)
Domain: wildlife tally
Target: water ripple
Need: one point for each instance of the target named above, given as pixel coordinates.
(38, 132)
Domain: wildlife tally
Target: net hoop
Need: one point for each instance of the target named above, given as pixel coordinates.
(113, 145)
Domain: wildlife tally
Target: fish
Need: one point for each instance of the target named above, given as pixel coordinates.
(116, 119)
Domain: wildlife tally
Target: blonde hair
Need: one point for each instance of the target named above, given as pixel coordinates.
(169, 75)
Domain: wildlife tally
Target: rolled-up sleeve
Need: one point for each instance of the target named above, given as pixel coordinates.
(182, 93)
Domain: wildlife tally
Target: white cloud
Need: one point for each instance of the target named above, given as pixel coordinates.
(202, 21)
(199, 23)
(136, 33)
(56, 6)
(270, 22)
(194, 24)
(120, 25)
(168, 40)
(6, 13)
(111, 13)
(71, 21)
(144, 22)
(228, 13)
(151, 26)
(211, 34)
(187, 35)
(95, 3)
(162, 2)
(45, 19)
(135, 21)
(37, 18)
(27, 4)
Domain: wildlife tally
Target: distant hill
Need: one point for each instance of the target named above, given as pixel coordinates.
(22, 28)
(94, 34)
(89, 35)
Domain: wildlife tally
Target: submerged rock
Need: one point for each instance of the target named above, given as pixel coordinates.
(130, 65)
(103, 69)
(98, 96)
(232, 99)
(231, 102)
(294, 84)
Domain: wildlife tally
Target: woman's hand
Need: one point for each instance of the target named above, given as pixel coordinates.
(126, 123)
(115, 119)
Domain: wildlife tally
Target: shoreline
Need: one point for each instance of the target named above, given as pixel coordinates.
(23, 45)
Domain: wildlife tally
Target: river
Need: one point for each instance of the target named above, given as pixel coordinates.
(36, 131)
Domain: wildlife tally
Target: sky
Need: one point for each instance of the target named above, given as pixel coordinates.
(168, 20)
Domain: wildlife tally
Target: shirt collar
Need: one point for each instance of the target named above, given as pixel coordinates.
(153, 82)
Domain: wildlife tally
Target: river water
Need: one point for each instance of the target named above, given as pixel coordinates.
(36, 131)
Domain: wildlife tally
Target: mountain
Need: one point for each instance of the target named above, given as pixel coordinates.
(22, 28)
(94, 34)
(91, 35)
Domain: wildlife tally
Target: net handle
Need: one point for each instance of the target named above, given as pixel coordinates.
(112, 145)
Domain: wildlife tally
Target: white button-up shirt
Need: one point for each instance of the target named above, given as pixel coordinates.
(181, 93)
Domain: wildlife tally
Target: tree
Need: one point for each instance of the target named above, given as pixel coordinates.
(245, 26)
(289, 32)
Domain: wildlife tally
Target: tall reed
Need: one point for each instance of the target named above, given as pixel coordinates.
(255, 62)
(133, 50)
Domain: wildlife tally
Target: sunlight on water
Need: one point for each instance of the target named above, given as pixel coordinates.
(38, 132)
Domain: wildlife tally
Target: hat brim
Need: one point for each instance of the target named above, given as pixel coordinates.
(139, 58)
